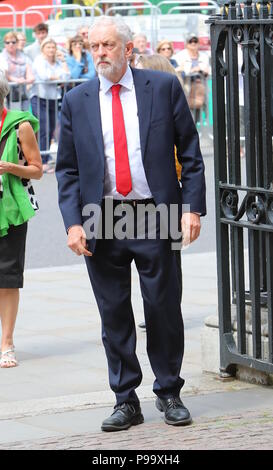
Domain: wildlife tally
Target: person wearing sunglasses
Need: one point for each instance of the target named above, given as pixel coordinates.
(165, 48)
(17, 69)
(190, 60)
(194, 66)
(79, 61)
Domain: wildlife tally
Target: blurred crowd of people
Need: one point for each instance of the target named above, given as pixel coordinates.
(35, 70)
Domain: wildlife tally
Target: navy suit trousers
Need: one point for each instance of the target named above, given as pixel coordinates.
(110, 274)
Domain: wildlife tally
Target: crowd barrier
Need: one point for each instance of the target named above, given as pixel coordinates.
(164, 10)
(48, 111)
(23, 97)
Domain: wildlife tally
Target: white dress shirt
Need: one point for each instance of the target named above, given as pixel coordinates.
(140, 188)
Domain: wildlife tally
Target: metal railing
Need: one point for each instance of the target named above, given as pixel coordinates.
(144, 5)
(22, 97)
(68, 7)
(48, 111)
(244, 183)
(189, 5)
(36, 9)
(11, 11)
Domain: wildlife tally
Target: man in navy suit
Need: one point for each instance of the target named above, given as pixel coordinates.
(118, 134)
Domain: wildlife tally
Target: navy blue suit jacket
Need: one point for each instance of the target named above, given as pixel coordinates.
(165, 121)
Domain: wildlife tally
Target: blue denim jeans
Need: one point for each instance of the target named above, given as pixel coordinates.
(45, 110)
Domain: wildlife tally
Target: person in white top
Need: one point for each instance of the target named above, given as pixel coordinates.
(191, 60)
(17, 68)
(40, 33)
(44, 96)
(194, 67)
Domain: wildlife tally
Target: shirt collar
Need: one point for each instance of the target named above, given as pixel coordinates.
(126, 81)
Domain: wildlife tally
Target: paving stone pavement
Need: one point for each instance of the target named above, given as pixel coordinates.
(59, 395)
(254, 430)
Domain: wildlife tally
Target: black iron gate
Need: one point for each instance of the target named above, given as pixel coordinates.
(242, 75)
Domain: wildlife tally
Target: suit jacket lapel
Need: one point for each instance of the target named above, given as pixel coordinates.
(92, 106)
(144, 97)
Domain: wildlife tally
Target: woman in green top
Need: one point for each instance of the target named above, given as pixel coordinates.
(20, 160)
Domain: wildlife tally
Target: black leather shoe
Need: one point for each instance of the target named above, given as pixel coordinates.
(124, 416)
(175, 412)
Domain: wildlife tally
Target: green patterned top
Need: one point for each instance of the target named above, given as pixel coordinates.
(15, 206)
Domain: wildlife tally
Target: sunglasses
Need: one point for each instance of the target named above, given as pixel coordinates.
(10, 42)
(195, 41)
(166, 49)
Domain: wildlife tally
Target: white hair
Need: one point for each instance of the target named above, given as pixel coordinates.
(122, 28)
(140, 35)
(4, 89)
(82, 26)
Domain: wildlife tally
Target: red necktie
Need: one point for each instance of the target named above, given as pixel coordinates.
(123, 174)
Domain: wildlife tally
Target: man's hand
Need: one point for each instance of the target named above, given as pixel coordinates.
(190, 227)
(60, 55)
(77, 240)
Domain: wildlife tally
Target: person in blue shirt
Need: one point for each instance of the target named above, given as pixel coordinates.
(80, 62)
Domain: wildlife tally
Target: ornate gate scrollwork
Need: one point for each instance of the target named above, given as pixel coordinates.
(242, 75)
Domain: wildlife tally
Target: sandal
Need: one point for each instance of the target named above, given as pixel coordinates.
(8, 357)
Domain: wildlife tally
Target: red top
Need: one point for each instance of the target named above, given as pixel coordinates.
(5, 111)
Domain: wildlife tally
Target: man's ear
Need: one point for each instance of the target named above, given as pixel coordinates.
(128, 49)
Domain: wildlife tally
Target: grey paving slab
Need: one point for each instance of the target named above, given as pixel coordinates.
(12, 431)
(89, 421)
(62, 360)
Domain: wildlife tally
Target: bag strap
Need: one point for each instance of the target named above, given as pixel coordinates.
(84, 55)
(3, 144)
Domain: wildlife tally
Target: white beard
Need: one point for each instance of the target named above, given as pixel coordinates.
(112, 69)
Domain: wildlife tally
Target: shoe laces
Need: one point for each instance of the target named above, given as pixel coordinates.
(174, 403)
(122, 406)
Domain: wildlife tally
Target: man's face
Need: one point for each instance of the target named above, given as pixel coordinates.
(84, 33)
(109, 53)
(41, 35)
(140, 43)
